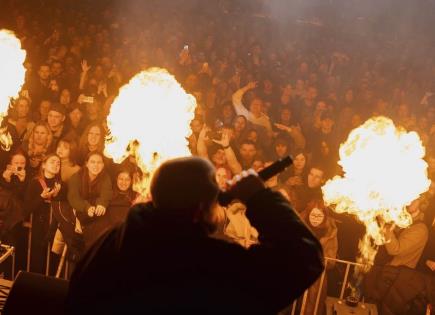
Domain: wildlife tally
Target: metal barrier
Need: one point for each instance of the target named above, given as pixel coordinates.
(322, 280)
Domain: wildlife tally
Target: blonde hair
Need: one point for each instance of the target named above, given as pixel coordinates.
(31, 147)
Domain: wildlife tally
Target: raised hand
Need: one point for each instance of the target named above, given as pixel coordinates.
(85, 66)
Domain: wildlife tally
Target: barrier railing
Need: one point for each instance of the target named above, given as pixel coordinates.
(348, 264)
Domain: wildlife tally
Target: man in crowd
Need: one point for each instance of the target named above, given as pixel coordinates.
(56, 122)
(177, 267)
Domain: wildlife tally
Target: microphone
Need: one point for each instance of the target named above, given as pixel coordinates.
(225, 197)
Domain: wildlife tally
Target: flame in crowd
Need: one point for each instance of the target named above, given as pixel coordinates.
(150, 120)
(384, 171)
(12, 72)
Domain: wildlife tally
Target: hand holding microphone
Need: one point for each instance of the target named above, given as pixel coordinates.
(246, 184)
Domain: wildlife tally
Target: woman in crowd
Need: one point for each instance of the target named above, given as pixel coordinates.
(324, 228)
(92, 140)
(37, 146)
(67, 151)
(123, 197)
(90, 193)
(42, 190)
(296, 175)
(75, 120)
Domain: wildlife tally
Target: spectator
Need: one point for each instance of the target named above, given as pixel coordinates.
(76, 123)
(323, 226)
(312, 190)
(67, 151)
(13, 183)
(92, 140)
(255, 114)
(47, 186)
(19, 122)
(56, 122)
(123, 197)
(37, 146)
(89, 193)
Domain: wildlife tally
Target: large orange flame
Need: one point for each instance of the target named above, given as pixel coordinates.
(13, 73)
(384, 171)
(150, 120)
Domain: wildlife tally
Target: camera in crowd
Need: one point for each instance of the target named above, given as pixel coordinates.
(216, 130)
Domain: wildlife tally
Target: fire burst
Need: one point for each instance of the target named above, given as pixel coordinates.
(384, 171)
(150, 120)
(13, 74)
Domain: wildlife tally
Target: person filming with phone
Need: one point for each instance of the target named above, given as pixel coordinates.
(13, 183)
(164, 260)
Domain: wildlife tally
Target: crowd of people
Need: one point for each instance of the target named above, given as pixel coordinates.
(263, 92)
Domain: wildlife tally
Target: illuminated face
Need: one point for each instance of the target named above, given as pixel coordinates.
(40, 135)
(94, 136)
(221, 178)
(75, 117)
(65, 97)
(281, 150)
(219, 158)
(239, 124)
(123, 181)
(247, 151)
(315, 178)
(44, 72)
(256, 106)
(252, 136)
(63, 150)
(55, 119)
(95, 165)
(316, 217)
(56, 69)
(22, 108)
(299, 161)
(44, 108)
(196, 126)
(52, 165)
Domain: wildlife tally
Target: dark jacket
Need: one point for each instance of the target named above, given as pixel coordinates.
(159, 262)
(11, 203)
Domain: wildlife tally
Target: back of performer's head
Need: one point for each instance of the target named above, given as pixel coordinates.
(184, 184)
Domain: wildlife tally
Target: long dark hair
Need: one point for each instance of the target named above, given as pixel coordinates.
(83, 142)
(130, 193)
(40, 174)
(73, 148)
(89, 190)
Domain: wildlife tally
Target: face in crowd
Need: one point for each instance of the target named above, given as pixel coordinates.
(40, 135)
(123, 181)
(51, 166)
(95, 165)
(94, 136)
(315, 178)
(247, 151)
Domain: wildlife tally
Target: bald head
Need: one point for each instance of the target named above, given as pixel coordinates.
(184, 183)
